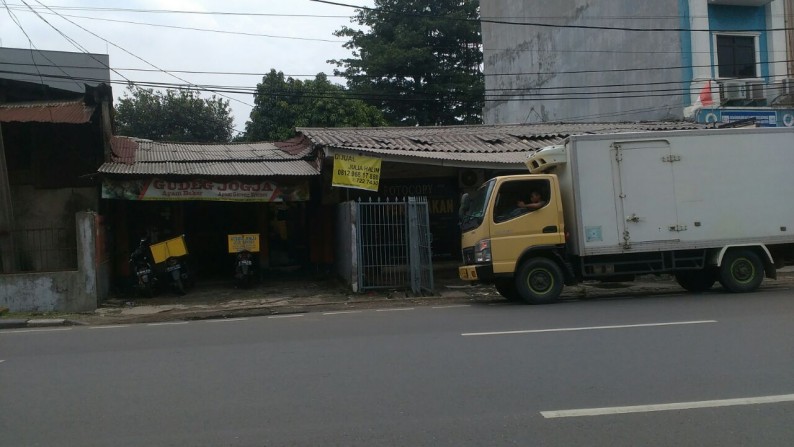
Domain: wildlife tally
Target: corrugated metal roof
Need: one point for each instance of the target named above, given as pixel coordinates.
(469, 143)
(132, 156)
(68, 112)
(154, 151)
(216, 168)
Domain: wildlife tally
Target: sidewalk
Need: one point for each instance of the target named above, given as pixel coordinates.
(222, 300)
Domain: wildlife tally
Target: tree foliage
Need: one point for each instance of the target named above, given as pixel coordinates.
(419, 61)
(282, 104)
(176, 115)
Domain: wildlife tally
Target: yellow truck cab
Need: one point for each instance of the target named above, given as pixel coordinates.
(498, 235)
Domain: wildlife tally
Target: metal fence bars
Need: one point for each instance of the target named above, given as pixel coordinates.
(40, 250)
(393, 241)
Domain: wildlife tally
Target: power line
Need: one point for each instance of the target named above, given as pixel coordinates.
(525, 73)
(32, 47)
(200, 29)
(448, 96)
(231, 13)
(76, 45)
(540, 24)
(182, 11)
(140, 58)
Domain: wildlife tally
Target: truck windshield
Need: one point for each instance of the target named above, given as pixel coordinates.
(471, 217)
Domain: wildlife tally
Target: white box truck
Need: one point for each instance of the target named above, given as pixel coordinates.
(703, 205)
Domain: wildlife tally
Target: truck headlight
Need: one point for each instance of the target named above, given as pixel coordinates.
(482, 251)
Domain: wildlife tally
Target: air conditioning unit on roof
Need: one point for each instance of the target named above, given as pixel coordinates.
(755, 90)
(732, 90)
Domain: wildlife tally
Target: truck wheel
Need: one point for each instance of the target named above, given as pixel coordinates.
(539, 281)
(507, 288)
(696, 281)
(741, 271)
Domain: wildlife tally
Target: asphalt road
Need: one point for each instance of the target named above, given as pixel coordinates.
(710, 370)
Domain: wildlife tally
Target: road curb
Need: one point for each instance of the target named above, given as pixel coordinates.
(9, 323)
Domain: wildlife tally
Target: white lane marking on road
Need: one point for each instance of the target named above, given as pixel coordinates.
(668, 407)
(286, 316)
(115, 326)
(343, 312)
(226, 320)
(1, 361)
(591, 328)
(172, 323)
(451, 306)
(401, 309)
(20, 331)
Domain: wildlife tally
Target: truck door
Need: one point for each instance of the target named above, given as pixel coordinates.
(645, 191)
(514, 229)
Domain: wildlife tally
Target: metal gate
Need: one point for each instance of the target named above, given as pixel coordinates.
(393, 242)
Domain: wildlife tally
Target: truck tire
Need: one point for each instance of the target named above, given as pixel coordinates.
(696, 281)
(507, 288)
(741, 271)
(539, 281)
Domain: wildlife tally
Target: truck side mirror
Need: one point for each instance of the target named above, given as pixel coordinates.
(465, 203)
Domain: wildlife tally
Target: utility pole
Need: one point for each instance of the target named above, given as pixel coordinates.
(788, 11)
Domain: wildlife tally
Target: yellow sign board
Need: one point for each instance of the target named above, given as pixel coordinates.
(353, 171)
(243, 242)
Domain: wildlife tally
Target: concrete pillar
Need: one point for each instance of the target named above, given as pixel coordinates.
(88, 297)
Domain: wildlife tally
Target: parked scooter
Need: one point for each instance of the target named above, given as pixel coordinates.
(171, 258)
(176, 272)
(243, 247)
(244, 269)
(143, 269)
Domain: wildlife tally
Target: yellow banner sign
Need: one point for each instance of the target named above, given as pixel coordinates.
(351, 171)
(243, 242)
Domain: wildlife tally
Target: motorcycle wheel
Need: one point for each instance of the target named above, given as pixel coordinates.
(179, 286)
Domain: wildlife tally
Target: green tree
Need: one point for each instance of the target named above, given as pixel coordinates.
(176, 115)
(282, 104)
(418, 61)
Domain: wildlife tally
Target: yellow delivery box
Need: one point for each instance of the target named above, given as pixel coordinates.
(244, 242)
(166, 249)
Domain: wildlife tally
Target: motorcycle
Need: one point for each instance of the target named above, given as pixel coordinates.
(176, 271)
(141, 265)
(171, 258)
(244, 269)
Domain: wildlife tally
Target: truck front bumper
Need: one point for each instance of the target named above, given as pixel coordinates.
(475, 272)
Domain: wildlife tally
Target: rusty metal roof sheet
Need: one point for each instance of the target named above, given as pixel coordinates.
(215, 168)
(154, 151)
(132, 156)
(477, 143)
(68, 112)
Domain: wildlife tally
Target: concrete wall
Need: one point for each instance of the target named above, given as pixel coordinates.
(23, 64)
(70, 291)
(521, 59)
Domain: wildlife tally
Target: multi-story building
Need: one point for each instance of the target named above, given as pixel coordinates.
(623, 60)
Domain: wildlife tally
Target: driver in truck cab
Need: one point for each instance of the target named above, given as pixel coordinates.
(535, 202)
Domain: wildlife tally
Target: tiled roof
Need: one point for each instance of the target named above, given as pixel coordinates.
(67, 112)
(133, 156)
(476, 143)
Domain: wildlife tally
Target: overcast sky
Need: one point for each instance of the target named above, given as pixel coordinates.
(292, 36)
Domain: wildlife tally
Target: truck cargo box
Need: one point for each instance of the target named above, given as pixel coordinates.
(678, 190)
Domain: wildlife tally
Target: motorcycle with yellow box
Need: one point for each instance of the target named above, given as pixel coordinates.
(243, 246)
(170, 256)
